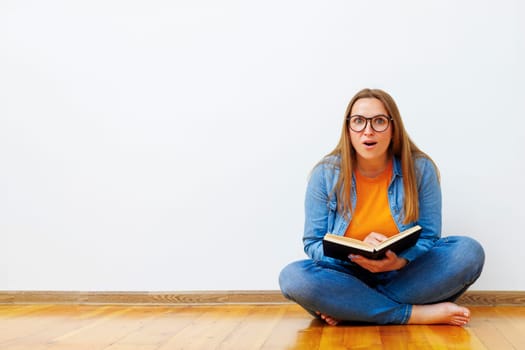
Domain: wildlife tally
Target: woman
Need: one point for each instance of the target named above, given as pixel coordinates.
(374, 184)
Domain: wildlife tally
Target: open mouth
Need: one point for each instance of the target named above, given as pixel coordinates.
(369, 143)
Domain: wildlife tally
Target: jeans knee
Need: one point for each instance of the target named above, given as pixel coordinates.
(288, 277)
(470, 254)
(473, 250)
(283, 280)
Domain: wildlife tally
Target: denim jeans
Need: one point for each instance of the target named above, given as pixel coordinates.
(350, 293)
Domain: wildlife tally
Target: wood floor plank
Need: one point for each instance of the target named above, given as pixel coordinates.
(295, 329)
(118, 327)
(22, 310)
(58, 321)
(104, 331)
(208, 328)
(448, 337)
(350, 337)
(486, 327)
(405, 337)
(167, 322)
(22, 321)
(255, 329)
(512, 325)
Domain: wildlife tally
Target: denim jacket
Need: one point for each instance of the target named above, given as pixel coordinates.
(321, 215)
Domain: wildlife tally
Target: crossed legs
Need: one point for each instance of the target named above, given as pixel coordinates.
(421, 293)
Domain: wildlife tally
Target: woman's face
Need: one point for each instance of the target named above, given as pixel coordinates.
(369, 144)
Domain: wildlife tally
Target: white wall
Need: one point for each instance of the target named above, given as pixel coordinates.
(165, 145)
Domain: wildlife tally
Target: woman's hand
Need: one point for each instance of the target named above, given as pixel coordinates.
(375, 238)
(390, 262)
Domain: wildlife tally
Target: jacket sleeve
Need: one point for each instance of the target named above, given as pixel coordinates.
(319, 211)
(429, 209)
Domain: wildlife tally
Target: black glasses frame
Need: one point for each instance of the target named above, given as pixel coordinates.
(388, 118)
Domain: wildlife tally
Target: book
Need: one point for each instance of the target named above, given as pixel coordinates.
(340, 247)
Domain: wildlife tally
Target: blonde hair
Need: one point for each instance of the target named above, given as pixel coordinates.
(401, 146)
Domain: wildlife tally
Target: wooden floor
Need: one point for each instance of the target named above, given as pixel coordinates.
(76, 327)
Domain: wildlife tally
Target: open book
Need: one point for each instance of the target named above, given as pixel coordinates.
(340, 247)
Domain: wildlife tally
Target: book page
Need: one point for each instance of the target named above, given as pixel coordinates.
(351, 242)
(397, 237)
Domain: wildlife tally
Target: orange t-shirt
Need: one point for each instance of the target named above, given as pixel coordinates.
(372, 211)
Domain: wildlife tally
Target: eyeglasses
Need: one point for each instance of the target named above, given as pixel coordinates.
(358, 123)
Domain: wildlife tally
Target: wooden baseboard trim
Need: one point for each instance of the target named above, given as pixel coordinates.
(489, 298)
(493, 298)
(143, 298)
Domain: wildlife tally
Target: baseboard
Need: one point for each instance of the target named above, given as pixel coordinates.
(489, 298)
(493, 298)
(143, 298)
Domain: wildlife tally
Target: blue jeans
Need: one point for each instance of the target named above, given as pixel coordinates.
(350, 293)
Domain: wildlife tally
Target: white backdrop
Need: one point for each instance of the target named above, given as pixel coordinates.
(165, 145)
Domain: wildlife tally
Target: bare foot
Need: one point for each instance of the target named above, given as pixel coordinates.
(441, 313)
(328, 319)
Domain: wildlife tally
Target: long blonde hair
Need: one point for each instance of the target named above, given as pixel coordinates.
(401, 146)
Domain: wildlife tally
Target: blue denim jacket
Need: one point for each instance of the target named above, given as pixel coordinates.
(321, 215)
